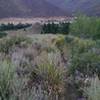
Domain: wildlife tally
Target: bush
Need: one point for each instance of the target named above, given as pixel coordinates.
(83, 56)
(86, 27)
(86, 63)
(59, 42)
(78, 45)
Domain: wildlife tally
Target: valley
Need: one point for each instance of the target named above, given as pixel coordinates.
(49, 50)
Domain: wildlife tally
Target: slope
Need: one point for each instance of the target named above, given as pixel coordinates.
(29, 8)
(89, 7)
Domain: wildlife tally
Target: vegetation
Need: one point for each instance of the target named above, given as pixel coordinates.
(52, 67)
(3, 34)
(53, 77)
(86, 27)
(11, 26)
(56, 28)
(7, 43)
(83, 58)
(6, 77)
(93, 92)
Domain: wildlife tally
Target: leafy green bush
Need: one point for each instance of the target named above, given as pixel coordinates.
(86, 27)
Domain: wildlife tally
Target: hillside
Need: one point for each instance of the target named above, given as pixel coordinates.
(89, 7)
(47, 8)
(29, 8)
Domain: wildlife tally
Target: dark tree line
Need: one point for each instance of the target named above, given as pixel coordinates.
(11, 26)
(55, 28)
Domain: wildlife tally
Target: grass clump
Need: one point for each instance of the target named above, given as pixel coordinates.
(52, 77)
(93, 91)
(6, 77)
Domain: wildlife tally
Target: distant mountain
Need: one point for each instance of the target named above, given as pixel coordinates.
(89, 7)
(29, 8)
(47, 8)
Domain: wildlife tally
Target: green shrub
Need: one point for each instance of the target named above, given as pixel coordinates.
(83, 56)
(78, 45)
(86, 27)
(86, 63)
(69, 39)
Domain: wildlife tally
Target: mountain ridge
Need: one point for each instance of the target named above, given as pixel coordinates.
(29, 8)
(88, 7)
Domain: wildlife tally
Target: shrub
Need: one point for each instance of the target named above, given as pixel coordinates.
(59, 42)
(86, 63)
(83, 56)
(78, 45)
(69, 39)
(86, 27)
